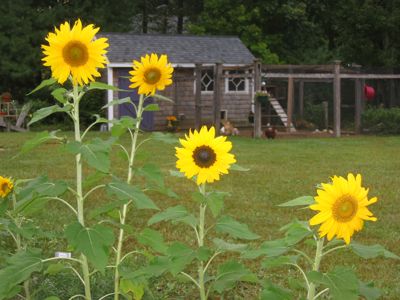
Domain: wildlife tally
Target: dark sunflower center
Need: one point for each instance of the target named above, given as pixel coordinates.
(152, 75)
(4, 187)
(204, 156)
(345, 208)
(75, 53)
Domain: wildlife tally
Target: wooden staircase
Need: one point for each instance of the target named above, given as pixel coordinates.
(281, 113)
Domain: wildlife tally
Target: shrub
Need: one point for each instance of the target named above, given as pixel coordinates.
(382, 120)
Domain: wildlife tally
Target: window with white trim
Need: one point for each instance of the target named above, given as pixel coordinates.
(236, 83)
(207, 80)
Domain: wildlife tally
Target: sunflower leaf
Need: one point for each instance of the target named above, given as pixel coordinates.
(366, 251)
(236, 167)
(39, 139)
(301, 201)
(275, 292)
(95, 85)
(44, 83)
(163, 98)
(234, 228)
(47, 111)
(117, 102)
(151, 107)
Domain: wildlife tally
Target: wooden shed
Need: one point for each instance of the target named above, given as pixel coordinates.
(221, 66)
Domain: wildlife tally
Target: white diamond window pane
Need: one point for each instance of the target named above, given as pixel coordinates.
(207, 80)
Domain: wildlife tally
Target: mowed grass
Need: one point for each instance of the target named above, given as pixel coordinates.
(280, 170)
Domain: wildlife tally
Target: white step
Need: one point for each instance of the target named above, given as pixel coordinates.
(281, 113)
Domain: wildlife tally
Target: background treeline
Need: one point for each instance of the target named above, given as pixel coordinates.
(366, 32)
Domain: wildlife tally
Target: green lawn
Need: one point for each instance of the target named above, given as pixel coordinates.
(280, 170)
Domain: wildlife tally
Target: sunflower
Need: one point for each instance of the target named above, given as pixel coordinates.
(151, 74)
(204, 155)
(6, 186)
(342, 207)
(75, 51)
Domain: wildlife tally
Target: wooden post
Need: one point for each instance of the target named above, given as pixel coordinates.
(336, 99)
(217, 97)
(290, 98)
(358, 106)
(176, 99)
(257, 104)
(392, 94)
(326, 114)
(301, 99)
(197, 99)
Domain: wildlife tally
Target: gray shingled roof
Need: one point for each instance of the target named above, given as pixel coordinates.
(179, 48)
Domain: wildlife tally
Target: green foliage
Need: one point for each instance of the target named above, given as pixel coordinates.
(94, 242)
(19, 268)
(341, 281)
(382, 120)
(227, 224)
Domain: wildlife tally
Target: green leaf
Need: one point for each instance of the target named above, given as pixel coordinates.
(372, 251)
(151, 107)
(44, 83)
(176, 213)
(204, 253)
(279, 261)
(153, 239)
(268, 248)
(296, 231)
(128, 286)
(229, 274)
(117, 102)
(368, 291)
(232, 227)
(179, 256)
(274, 292)
(94, 242)
(47, 111)
(54, 269)
(236, 167)
(39, 139)
(122, 125)
(60, 95)
(215, 201)
(225, 246)
(95, 153)
(175, 173)
(161, 97)
(94, 85)
(107, 207)
(301, 201)
(125, 191)
(152, 173)
(156, 267)
(32, 197)
(19, 267)
(167, 138)
(341, 281)
(52, 298)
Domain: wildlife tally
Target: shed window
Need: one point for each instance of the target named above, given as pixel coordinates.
(207, 80)
(236, 83)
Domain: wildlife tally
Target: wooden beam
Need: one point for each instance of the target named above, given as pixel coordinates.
(290, 100)
(371, 76)
(176, 99)
(217, 97)
(298, 75)
(358, 105)
(257, 104)
(301, 99)
(197, 99)
(336, 99)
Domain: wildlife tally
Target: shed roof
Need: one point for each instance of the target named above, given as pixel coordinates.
(181, 49)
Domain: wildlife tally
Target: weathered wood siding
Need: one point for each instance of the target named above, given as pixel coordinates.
(182, 91)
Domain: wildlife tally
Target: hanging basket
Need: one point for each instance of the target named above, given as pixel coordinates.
(263, 99)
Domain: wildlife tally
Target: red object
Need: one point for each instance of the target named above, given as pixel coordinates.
(369, 92)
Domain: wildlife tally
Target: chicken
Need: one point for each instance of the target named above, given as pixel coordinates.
(270, 132)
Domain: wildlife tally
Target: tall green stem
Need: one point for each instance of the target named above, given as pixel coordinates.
(201, 270)
(79, 193)
(317, 261)
(18, 242)
(125, 207)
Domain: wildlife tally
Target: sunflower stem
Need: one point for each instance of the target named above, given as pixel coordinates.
(79, 193)
(124, 209)
(202, 270)
(317, 262)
